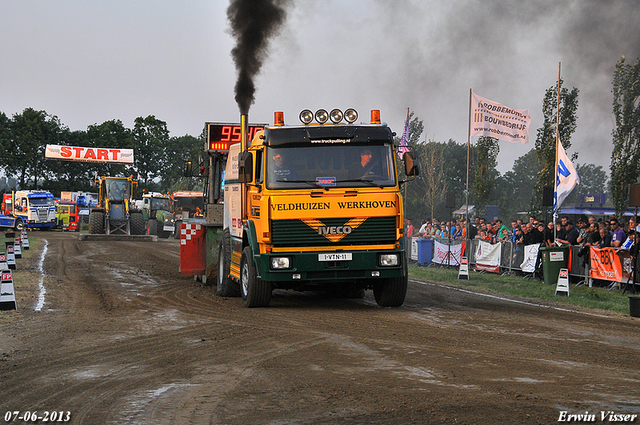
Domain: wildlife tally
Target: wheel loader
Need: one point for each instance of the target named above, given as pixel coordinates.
(115, 213)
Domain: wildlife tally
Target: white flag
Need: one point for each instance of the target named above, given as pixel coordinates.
(566, 177)
(500, 122)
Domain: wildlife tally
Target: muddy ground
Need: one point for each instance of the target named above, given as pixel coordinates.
(123, 338)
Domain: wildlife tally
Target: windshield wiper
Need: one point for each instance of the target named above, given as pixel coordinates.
(361, 180)
(309, 182)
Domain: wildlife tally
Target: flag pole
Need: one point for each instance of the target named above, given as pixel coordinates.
(466, 202)
(555, 170)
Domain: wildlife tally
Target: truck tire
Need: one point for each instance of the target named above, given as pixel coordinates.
(96, 223)
(136, 223)
(255, 291)
(152, 227)
(391, 292)
(226, 287)
(19, 225)
(176, 233)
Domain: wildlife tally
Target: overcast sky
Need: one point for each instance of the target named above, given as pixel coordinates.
(89, 61)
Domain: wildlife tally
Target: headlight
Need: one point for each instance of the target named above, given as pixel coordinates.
(336, 116)
(387, 260)
(280, 263)
(351, 115)
(322, 116)
(306, 116)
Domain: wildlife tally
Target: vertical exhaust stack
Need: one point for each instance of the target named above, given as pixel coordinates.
(244, 132)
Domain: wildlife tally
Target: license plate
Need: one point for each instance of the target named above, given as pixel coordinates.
(168, 228)
(335, 256)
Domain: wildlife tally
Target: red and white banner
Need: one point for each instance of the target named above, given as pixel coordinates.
(492, 119)
(488, 256)
(76, 153)
(447, 254)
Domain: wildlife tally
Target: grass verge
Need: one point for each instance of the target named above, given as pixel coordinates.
(580, 297)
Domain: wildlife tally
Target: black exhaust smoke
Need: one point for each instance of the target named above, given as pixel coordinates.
(253, 22)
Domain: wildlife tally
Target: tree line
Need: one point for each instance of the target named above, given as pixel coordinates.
(443, 165)
(159, 158)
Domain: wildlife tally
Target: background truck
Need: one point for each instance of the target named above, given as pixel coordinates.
(67, 215)
(186, 204)
(34, 209)
(308, 207)
(157, 215)
(114, 213)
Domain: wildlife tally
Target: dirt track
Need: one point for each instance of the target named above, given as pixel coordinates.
(123, 338)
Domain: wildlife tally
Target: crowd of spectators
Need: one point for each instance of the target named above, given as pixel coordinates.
(585, 232)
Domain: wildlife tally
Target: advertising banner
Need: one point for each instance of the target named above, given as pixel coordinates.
(530, 257)
(492, 119)
(488, 256)
(76, 153)
(610, 264)
(448, 255)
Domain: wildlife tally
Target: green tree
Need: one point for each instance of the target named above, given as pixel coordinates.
(430, 184)
(29, 133)
(515, 187)
(413, 205)
(593, 179)
(546, 137)
(109, 134)
(151, 139)
(182, 149)
(625, 158)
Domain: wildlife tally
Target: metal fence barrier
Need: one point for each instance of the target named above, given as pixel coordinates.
(512, 258)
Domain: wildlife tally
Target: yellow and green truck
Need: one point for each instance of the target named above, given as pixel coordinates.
(310, 207)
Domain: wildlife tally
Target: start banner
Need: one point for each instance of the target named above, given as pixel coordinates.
(610, 264)
(76, 153)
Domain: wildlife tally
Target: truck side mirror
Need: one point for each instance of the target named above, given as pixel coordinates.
(245, 167)
(411, 167)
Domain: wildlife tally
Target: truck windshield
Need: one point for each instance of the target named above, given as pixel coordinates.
(160, 204)
(117, 189)
(41, 202)
(330, 166)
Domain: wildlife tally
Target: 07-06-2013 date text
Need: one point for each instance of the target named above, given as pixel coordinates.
(46, 416)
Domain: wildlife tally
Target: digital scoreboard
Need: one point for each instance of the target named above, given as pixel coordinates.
(220, 136)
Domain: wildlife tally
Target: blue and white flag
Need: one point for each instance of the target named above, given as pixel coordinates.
(566, 177)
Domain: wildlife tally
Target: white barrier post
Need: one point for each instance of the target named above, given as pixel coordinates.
(463, 272)
(7, 292)
(562, 287)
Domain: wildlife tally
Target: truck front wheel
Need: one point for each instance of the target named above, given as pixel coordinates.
(390, 292)
(225, 286)
(255, 291)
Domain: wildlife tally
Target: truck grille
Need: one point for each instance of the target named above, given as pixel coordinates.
(296, 233)
(42, 215)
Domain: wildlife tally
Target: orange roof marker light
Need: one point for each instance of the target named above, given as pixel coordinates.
(278, 118)
(375, 116)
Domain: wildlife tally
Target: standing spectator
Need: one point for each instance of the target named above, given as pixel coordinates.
(570, 236)
(410, 229)
(618, 236)
(605, 238)
(582, 231)
(548, 234)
